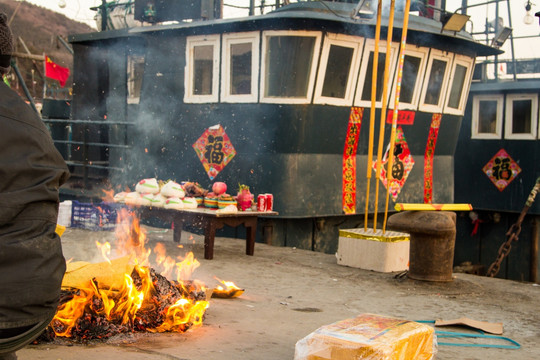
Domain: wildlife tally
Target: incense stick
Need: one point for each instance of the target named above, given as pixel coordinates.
(389, 177)
(374, 75)
(383, 108)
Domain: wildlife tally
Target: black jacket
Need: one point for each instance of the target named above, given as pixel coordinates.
(31, 171)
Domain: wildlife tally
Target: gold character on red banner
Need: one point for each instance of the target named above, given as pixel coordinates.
(214, 150)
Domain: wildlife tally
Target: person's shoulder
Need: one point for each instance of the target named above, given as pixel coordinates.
(14, 108)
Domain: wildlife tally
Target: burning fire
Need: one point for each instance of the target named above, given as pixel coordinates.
(108, 195)
(229, 291)
(145, 301)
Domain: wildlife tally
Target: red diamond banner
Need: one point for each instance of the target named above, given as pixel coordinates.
(214, 150)
(501, 169)
(402, 166)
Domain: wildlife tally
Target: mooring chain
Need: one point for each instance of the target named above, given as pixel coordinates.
(504, 250)
(512, 233)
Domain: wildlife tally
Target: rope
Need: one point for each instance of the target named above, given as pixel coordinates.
(451, 334)
(480, 335)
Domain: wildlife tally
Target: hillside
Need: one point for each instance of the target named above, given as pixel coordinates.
(38, 28)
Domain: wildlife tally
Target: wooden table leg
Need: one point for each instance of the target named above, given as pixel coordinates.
(178, 226)
(209, 236)
(251, 229)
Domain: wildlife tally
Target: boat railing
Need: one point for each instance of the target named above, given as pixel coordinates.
(81, 150)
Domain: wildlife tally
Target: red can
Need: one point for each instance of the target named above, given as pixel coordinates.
(261, 202)
(269, 202)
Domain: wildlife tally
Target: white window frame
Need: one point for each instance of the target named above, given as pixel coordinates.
(419, 52)
(240, 38)
(192, 42)
(468, 63)
(498, 119)
(315, 61)
(370, 46)
(132, 60)
(509, 116)
(441, 56)
(354, 42)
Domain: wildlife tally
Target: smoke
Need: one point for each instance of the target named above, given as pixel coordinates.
(155, 133)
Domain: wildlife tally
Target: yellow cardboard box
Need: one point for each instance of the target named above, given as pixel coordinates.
(369, 336)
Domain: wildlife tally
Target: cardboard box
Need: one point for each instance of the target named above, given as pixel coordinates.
(369, 336)
(375, 251)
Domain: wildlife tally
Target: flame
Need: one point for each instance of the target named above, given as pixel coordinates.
(186, 267)
(181, 313)
(137, 304)
(166, 262)
(127, 306)
(69, 313)
(230, 290)
(108, 195)
(229, 285)
(105, 250)
(131, 238)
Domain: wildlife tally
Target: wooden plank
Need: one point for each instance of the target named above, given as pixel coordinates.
(28, 56)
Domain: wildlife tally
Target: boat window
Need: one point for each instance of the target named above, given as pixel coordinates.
(240, 67)
(363, 93)
(335, 79)
(135, 71)
(202, 71)
(460, 80)
(487, 115)
(414, 67)
(338, 70)
(288, 69)
(436, 76)
(411, 68)
(438, 73)
(521, 116)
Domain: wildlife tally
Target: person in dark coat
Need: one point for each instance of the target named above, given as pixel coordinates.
(31, 261)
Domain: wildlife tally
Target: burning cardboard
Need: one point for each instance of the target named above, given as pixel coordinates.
(108, 274)
(146, 301)
(127, 294)
(229, 291)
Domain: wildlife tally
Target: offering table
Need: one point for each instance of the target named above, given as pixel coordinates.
(209, 220)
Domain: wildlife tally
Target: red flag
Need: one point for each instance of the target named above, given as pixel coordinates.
(55, 71)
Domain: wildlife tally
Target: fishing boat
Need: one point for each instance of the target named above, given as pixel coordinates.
(280, 101)
(497, 158)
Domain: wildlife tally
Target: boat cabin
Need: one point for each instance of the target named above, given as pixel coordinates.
(289, 93)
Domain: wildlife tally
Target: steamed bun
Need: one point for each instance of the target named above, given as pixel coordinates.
(173, 189)
(174, 203)
(147, 186)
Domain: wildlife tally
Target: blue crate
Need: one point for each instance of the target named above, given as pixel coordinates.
(101, 216)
